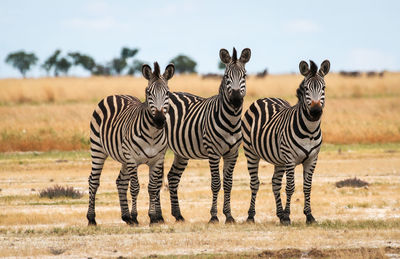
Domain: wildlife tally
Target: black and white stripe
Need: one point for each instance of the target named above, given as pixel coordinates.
(286, 136)
(208, 128)
(132, 133)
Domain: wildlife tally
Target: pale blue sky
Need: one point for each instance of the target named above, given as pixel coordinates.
(353, 35)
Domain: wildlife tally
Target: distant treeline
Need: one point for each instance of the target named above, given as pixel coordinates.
(125, 64)
(359, 73)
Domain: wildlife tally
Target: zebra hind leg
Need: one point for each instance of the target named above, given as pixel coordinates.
(98, 159)
(174, 176)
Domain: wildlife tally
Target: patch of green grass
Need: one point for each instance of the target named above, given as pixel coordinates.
(201, 227)
(56, 155)
(375, 147)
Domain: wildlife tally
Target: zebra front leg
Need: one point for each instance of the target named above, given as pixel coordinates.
(134, 189)
(252, 166)
(229, 165)
(98, 160)
(276, 188)
(308, 171)
(289, 192)
(174, 176)
(215, 186)
(122, 186)
(156, 173)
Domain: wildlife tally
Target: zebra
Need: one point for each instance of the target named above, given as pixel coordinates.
(132, 133)
(286, 136)
(208, 128)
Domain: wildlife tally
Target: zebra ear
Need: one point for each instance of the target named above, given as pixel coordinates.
(169, 72)
(146, 71)
(245, 56)
(324, 69)
(303, 67)
(224, 56)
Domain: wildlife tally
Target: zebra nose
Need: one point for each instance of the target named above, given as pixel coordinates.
(159, 119)
(236, 98)
(316, 103)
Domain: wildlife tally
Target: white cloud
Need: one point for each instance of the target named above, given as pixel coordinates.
(370, 59)
(302, 26)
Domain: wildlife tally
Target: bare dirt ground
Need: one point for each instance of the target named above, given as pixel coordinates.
(352, 222)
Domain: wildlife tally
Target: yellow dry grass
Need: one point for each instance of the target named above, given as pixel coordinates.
(54, 113)
(348, 217)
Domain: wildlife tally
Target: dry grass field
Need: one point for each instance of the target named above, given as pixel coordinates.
(361, 127)
(54, 113)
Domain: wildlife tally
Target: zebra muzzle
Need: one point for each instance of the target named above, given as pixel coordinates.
(236, 99)
(159, 119)
(316, 110)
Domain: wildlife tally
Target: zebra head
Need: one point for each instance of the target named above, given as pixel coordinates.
(311, 92)
(157, 92)
(233, 84)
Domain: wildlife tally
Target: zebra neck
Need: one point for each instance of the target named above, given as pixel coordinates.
(145, 122)
(224, 106)
(312, 127)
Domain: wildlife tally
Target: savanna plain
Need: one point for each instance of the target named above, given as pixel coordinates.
(44, 136)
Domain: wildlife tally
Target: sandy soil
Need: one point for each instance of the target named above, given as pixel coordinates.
(348, 217)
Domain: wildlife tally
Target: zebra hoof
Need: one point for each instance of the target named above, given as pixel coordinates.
(179, 218)
(156, 220)
(230, 220)
(285, 220)
(91, 219)
(310, 219)
(213, 220)
(134, 220)
(128, 220)
(160, 219)
(250, 220)
(92, 222)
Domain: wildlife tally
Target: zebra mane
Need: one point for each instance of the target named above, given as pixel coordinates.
(313, 68)
(234, 55)
(300, 91)
(156, 72)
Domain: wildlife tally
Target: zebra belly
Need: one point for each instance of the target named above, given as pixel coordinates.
(143, 152)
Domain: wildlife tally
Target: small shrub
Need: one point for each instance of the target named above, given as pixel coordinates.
(352, 182)
(56, 251)
(60, 191)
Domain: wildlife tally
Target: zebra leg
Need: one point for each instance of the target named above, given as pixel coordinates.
(98, 159)
(279, 171)
(252, 166)
(122, 186)
(229, 165)
(174, 176)
(308, 171)
(155, 182)
(134, 189)
(215, 185)
(289, 192)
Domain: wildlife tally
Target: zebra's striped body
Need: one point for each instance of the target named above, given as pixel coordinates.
(286, 136)
(208, 128)
(132, 133)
